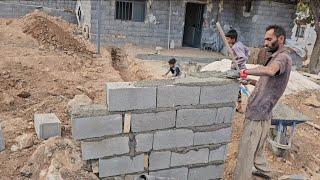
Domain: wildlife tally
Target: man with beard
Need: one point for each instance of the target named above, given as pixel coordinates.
(274, 76)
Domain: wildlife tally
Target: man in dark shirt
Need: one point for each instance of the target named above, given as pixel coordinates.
(274, 77)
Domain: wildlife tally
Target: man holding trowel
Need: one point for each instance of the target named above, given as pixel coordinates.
(274, 77)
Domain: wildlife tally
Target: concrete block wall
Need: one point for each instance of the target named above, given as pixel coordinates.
(140, 131)
(19, 8)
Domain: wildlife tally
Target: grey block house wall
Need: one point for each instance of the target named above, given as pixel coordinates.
(19, 8)
(250, 25)
(176, 129)
(139, 33)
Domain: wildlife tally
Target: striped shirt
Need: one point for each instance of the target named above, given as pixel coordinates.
(241, 53)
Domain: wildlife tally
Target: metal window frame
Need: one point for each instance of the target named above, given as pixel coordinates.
(130, 18)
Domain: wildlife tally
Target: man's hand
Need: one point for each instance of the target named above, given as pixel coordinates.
(243, 74)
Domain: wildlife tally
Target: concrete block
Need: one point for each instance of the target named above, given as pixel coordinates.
(83, 128)
(159, 160)
(218, 154)
(106, 147)
(225, 114)
(152, 121)
(178, 174)
(172, 139)
(196, 117)
(219, 94)
(171, 96)
(92, 110)
(213, 137)
(125, 96)
(144, 142)
(47, 125)
(121, 165)
(205, 173)
(2, 144)
(127, 123)
(191, 157)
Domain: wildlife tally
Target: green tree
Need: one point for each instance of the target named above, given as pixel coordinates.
(309, 13)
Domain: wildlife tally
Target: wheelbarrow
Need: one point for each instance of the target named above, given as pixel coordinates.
(284, 123)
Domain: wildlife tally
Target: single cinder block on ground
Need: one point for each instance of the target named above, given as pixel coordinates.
(106, 147)
(121, 165)
(152, 121)
(171, 96)
(219, 94)
(178, 174)
(191, 157)
(144, 142)
(84, 128)
(225, 114)
(204, 173)
(47, 125)
(196, 117)
(218, 154)
(213, 137)
(159, 160)
(125, 96)
(2, 145)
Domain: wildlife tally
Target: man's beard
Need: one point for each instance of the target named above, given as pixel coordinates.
(274, 47)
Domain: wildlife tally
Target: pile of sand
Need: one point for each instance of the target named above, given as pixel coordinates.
(55, 33)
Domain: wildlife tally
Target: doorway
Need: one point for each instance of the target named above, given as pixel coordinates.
(193, 25)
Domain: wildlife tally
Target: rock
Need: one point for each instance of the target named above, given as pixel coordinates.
(14, 148)
(26, 174)
(312, 101)
(23, 141)
(7, 99)
(53, 170)
(41, 48)
(79, 100)
(313, 166)
(24, 94)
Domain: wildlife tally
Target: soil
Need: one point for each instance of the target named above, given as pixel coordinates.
(39, 75)
(44, 63)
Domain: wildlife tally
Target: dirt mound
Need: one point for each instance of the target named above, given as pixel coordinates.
(56, 158)
(53, 33)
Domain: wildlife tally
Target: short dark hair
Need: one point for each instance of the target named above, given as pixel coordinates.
(232, 34)
(278, 30)
(172, 61)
